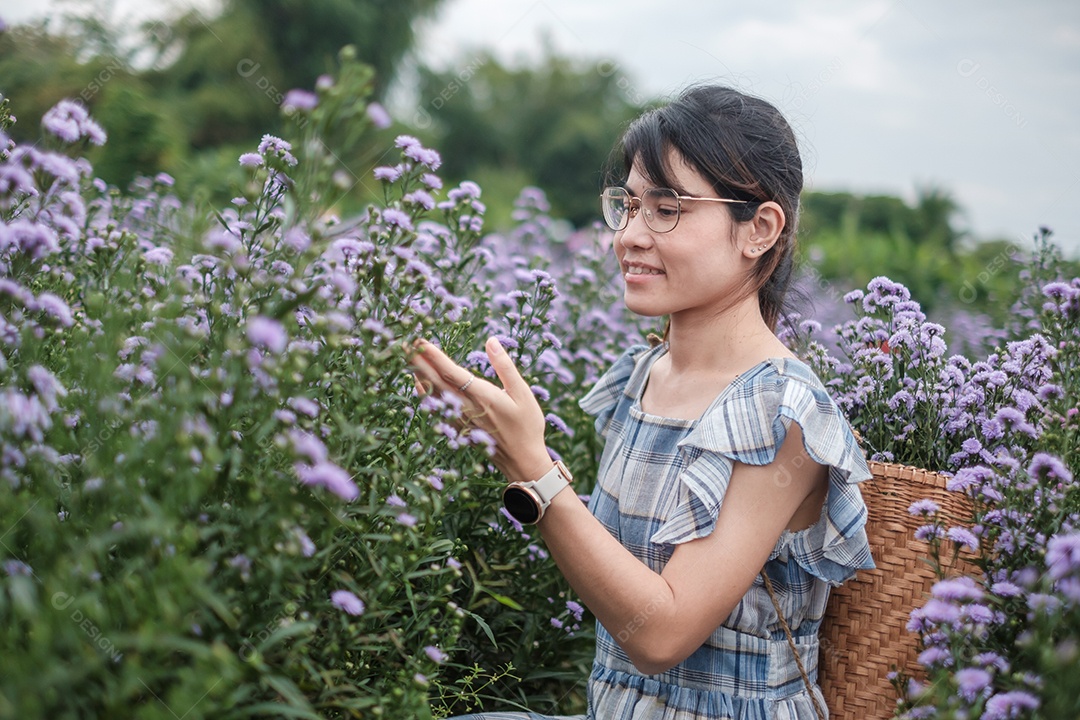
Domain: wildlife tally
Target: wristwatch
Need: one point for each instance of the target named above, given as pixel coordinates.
(527, 501)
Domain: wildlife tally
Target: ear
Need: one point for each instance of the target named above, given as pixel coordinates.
(761, 231)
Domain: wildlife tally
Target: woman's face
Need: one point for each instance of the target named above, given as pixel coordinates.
(700, 267)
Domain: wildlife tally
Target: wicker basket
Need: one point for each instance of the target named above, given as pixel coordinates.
(864, 631)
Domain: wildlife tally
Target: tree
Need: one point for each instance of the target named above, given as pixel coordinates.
(554, 123)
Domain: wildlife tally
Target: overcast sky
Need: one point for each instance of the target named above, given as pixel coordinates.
(980, 98)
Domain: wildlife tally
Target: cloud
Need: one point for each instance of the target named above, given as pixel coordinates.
(813, 38)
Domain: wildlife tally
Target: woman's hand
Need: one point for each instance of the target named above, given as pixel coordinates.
(510, 414)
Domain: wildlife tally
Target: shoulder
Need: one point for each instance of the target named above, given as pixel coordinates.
(750, 423)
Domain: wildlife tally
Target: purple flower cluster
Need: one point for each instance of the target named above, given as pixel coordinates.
(70, 122)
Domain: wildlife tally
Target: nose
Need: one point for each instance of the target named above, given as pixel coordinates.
(636, 234)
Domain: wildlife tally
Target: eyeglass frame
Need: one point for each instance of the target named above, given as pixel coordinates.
(678, 208)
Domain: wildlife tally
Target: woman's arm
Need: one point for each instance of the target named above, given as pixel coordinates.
(658, 619)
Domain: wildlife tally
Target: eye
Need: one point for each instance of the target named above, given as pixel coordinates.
(668, 211)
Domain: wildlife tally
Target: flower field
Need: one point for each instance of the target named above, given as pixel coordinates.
(222, 497)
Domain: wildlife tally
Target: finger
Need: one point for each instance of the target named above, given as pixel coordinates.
(512, 382)
(421, 388)
(442, 371)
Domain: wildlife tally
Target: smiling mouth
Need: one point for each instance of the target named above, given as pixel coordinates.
(636, 270)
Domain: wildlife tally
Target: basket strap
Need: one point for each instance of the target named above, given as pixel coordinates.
(791, 644)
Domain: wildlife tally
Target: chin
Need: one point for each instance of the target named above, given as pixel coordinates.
(643, 309)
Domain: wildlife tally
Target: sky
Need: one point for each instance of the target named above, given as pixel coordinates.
(981, 99)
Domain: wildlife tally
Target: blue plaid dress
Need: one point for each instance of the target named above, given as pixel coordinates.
(661, 483)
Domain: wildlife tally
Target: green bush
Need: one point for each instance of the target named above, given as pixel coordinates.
(223, 497)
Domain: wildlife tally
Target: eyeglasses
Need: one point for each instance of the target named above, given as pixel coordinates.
(660, 206)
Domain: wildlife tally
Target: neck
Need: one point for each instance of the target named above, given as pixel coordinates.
(728, 343)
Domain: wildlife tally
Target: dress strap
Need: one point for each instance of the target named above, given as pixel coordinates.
(791, 644)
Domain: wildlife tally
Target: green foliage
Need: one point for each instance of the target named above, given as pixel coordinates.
(556, 122)
(179, 519)
(854, 238)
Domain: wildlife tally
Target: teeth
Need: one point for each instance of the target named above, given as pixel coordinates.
(635, 270)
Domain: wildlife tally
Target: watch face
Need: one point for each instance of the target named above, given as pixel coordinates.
(521, 505)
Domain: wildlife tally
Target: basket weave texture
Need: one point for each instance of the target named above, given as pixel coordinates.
(863, 634)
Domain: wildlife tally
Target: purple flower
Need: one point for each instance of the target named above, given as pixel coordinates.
(924, 507)
(465, 191)
(424, 156)
(972, 682)
(556, 623)
(963, 536)
(333, 478)
(1009, 705)
(557, 422)
(1004, 588)
(251, 160)
(378, 116)
(978, 614)
(406, 141)
(436, 655)
(397, 218)
(968, 477)
(307, 445)
(421, 198)
(15, 180)
(961, 588)
(406, 519)
(1063, 556)
(307, 547)
(395, 501)
(47, 386)
(242, 563)
(389, 174)
(1045, 466)
(345, 600)
(304, 405)
(480, 437)
(575, 609)
(992, 659)
(940, 612)
(928, 532)
(934, 656)
(277, 147)
(1013, 419)
(267, 333)
(299, 100)
(1041, 602)
(971, 446)
(34, 239)
(17, 567)
(69, 121)
(55, 308)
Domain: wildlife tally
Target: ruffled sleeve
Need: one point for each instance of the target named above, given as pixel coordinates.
(604, 396)
(748, 424)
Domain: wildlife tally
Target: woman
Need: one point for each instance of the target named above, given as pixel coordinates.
(724, 454)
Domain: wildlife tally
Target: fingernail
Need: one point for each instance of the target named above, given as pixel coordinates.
(494, 346)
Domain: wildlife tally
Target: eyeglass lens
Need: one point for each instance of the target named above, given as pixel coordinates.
(659, 206)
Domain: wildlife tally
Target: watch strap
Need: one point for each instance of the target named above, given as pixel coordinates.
(552, 482)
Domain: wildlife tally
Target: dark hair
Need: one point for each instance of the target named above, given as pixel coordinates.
(746, 150)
